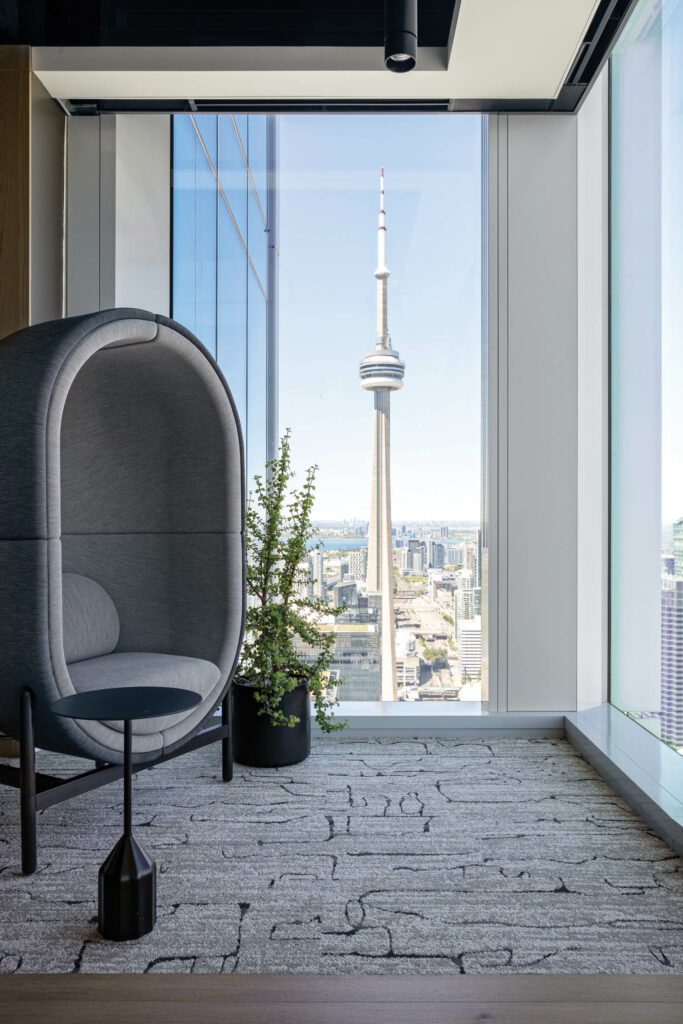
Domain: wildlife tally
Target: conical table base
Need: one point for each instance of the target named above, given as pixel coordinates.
(127, 892)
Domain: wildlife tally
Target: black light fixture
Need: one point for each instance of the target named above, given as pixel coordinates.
(400, 34)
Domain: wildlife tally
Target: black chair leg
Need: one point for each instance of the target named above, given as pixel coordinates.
(27, 785)
(226, 744)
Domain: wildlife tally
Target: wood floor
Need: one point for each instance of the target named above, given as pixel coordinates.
(313, 999)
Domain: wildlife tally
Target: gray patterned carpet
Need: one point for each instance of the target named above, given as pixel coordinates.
(374, 856)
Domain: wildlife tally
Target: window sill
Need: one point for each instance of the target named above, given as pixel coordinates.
(441, 719)
(642, 769)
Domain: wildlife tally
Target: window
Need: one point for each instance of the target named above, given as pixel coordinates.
(412, 632)
(647, 370)
(399, 467)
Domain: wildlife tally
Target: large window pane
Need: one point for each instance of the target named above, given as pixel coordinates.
(411, 629)
(194, 227)
(647, 370)
(426, 642)
(232, 308)
(215, 290)
(232, 171)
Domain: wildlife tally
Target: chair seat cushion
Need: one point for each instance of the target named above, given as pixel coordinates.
(139, 669)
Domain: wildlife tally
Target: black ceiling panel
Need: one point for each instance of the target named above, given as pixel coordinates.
(219, 23)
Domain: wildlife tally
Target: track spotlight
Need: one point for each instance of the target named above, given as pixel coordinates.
(400, 34)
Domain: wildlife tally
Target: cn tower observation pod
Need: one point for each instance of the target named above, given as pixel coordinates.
(382, 370)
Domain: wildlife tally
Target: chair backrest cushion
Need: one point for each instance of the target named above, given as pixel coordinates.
(90, 620)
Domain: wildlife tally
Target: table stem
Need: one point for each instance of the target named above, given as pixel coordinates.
(127, 777)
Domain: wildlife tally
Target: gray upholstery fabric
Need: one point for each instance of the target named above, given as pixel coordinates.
(142, 489)
(121, 460)
(90, 622)
(173, 592)
(146, 670)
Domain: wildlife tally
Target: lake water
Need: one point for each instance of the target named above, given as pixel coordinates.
(339, 543)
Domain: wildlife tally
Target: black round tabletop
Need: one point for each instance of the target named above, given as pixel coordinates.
(126, 703)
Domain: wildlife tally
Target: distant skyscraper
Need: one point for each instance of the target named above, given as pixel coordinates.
(672, 660)
(317, 572)
(382, 372)
(678, 548)
(443, 531)
(358, 564)
(436, 554)
(469, 649)
(306, 580)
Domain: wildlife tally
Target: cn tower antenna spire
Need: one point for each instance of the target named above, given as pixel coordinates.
(382, 274)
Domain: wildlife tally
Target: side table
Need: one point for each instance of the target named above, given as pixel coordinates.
(127, 879)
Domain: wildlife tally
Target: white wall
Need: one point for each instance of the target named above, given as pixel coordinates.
(143, 213)
(118, 213)
(592, 426)
(548, 349)
(533, 371)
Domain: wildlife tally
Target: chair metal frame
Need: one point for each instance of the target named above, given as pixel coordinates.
(39, 791)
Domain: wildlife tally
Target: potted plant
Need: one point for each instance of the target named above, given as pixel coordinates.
(286, 654)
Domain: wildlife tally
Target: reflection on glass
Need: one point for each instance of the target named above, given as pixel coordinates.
(257, 370)
(232, 172)
(215, 290)
(647, 370)
(232, 309)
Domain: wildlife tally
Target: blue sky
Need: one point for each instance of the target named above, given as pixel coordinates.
(329, 169)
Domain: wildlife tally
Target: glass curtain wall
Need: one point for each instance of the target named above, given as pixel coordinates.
(647, 370)
(380, 238)
(222, 240)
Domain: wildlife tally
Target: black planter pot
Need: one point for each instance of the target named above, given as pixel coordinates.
(261, 745)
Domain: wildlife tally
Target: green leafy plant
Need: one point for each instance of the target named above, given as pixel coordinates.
(280, 615)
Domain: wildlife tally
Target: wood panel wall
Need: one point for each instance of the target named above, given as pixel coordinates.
(15, 188)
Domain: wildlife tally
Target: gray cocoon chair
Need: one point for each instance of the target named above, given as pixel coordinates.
(121, 525)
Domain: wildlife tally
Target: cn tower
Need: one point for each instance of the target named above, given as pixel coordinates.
(382, 372)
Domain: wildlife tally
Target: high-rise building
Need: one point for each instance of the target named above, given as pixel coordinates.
(345, 594)
(358, 564)
(443, 531)
(356, 656)
(672, 660)
(470, 559)
(318, 573)
(382, 372)
(306, 580)
(436, 554)
(469, 649)
(678, 547)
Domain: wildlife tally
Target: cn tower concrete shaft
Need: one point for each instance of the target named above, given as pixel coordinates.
(382, 372)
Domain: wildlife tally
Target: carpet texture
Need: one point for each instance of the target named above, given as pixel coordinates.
(373, 856)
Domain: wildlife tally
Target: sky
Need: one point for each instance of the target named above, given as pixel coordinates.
(329, 169)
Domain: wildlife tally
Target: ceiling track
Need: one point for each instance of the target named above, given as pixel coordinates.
(90, 108)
